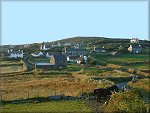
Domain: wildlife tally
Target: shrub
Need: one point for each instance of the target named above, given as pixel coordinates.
(131, 70)
(130, 101)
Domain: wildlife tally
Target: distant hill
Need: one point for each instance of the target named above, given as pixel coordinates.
(92, 40)
(86, 41)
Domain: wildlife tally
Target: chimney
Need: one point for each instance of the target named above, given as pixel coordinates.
(94, 48)
(22, 51)
(8, 51)
(65, 49)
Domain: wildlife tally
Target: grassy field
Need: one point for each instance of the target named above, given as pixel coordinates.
(126, 102)
(11, 66)
(122, 59)
(73, 81)
(78, 106)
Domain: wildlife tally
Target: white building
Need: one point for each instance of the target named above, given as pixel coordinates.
(37, 54)
(45, 46)
(134, 40)
(16, 54)
(72, 58)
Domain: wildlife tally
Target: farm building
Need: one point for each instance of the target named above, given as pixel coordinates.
(60, 61)
(44, 65)
(57, 61)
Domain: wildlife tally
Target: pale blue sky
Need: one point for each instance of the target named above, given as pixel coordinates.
(29, 22)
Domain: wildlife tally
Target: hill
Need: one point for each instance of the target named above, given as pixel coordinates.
(87, 42)
(92, 40)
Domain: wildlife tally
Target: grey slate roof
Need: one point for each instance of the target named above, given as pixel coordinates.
(59, 57)
(16, 52)
(44, 64)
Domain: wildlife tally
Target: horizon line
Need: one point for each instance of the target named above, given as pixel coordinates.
(75, 37)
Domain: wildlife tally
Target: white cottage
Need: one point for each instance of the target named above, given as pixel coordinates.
(37, 54)
(16, 54)
(134, 40)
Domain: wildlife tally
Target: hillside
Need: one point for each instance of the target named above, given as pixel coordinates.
(86, 42)
(82, 39)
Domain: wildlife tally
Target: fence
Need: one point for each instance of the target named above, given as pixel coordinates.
(35, 92)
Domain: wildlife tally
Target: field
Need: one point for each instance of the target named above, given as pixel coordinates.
(11, 66)
(18, 84)
(53, 106)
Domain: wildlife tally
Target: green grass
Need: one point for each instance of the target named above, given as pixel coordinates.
(53, 106)
(124, 58)
(142, 66)
(73, 68)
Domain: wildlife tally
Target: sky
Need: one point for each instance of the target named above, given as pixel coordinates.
(28, 22)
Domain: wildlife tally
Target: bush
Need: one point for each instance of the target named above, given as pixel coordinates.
(91, 61)
(130, 101)
(131, 70)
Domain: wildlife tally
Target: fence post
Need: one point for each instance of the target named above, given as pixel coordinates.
(28, 94)
(1, 98)
(82, 89)
(55, 92)
(147, 109)
(22, 68)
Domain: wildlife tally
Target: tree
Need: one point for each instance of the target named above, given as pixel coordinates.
(122, 49)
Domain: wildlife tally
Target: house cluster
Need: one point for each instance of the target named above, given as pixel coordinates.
(77, 59)
(15, 54)
(47, 46)
(99, 50)
(70, 44)
(57, 61)
(135, 47)
(75, 54)
(75, 51)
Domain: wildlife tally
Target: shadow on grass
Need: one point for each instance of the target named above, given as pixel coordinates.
(120, 79)
(39, 99)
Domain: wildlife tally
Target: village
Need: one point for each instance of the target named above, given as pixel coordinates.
(73, 53)
(71, 69)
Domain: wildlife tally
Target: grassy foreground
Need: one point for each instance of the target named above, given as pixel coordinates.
(53, 106)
